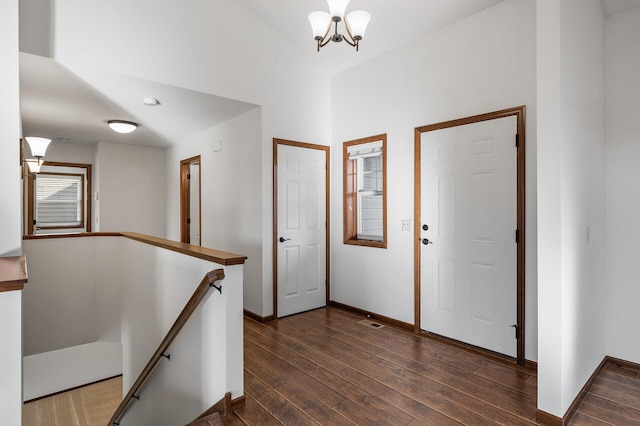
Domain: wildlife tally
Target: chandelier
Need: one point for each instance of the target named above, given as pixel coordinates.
(355, 24)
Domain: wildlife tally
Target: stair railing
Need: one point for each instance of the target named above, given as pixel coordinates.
(210, 279)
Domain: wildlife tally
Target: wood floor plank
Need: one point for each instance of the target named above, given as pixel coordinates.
(406, 403)
(311, 380)
(312, 406)
(620, 393)
(580, 419)
(274, 403)
(86, 406)
(496, 414)
(302, 349)
(621, 371)
(489, 391)
(414, 345)
(507, 376)
(255, 414)
(607, 410)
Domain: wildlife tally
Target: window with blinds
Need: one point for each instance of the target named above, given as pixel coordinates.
(364, 200)
(59, 200)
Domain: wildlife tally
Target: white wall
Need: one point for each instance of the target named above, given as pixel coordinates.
(571, 199)
(10, 229)
(60, 298)
(36, 27)
(10, 223)
(11, 358)
(623, 173)
(480, 64)
(50, 372)
(131, 189)
(156, 286)
(231, 191)
(220, 48)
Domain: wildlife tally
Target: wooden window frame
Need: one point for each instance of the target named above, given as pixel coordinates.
(350, 195)
(86, 219)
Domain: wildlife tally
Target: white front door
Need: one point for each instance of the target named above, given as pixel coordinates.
(468, 204)
(301, 229)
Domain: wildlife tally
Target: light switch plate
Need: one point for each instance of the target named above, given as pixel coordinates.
(406, 224)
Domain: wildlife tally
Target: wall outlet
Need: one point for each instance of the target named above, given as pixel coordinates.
(406, 225)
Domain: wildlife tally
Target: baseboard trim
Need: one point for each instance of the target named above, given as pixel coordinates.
(551, 420)
(373, 316)
(548, 419)
(257, 317)
(622, 363)
(238, 403)
(72, 389)
(583, 392)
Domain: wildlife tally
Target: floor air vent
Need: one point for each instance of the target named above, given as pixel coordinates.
(370, 323)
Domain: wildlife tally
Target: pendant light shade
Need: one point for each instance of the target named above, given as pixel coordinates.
(319, 23)
(357, 22)
(38, 145)
(337, 7)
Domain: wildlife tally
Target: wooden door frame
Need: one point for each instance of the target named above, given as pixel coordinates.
(185, 198)
(520, 114)
(326, 149)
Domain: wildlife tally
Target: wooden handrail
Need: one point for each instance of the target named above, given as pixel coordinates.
(198, 295)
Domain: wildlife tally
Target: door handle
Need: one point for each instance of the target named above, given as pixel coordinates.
(426, 241)
(282, 239)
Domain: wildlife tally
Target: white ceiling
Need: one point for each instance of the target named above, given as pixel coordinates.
(393, 24)
(58, 103)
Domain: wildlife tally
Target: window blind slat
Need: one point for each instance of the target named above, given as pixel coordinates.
(58, 200)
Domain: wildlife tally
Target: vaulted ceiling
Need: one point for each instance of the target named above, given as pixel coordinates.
(56, 103)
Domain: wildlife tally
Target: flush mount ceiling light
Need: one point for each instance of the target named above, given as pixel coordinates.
(150, 101)
(122, 126)
(355, 24)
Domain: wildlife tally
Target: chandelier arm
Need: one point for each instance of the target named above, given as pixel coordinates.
(350, 43)
(353, 40)
(323, 42)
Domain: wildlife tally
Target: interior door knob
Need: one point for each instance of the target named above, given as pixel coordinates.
(282, 239)
(425, 227)
(426, 241)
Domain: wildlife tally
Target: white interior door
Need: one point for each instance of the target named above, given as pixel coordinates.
(468, 202)
(301, 232)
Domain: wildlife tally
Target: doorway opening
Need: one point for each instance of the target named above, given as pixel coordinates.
(190, 201)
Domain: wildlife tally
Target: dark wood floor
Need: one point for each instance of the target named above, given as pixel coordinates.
(326, 367)
(329, 367)
(614, 399)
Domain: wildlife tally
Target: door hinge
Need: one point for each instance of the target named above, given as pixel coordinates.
(189, 176)
(517, 330)
(517, 140)
(517, 235)
(189, 221)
